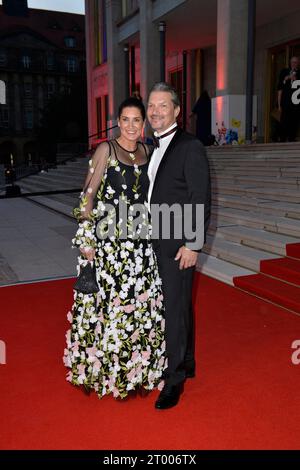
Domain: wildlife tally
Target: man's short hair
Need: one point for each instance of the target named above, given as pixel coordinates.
(164, 86)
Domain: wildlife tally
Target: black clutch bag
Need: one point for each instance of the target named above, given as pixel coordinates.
(86, 282)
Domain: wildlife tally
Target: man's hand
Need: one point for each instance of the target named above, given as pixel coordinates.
(188, 258)
(88, 252)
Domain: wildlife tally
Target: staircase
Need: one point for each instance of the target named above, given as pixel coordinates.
(69, 176)
(253, 240)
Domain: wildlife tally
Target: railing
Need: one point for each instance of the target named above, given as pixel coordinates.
(104, 131)
(21, 171)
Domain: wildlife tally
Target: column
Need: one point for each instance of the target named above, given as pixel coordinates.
(115, 60)
(229, 106)
(150, 49)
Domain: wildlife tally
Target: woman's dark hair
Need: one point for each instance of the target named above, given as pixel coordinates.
(132, 102)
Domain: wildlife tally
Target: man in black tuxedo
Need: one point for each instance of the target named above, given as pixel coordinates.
(290, 112)
(179, 175)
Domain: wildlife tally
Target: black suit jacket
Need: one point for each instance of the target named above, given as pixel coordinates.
(182, 178)
(287, 90)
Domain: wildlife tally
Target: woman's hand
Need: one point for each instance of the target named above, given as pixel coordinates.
(88, 252)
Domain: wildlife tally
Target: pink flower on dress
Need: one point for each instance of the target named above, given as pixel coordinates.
(75, 346)
(143, 297)
(111, 382)
(163, 324)
(135, 336)
(161, 362)
(69, 376)
(146, 354)
(129, 308)
(96, 366)
(81, 369)
(115, 392)
(117, 301)
(135, 355)
(153, 304)
(152, 334)
(131, 374)
(161, 385)
(66, 360)
(70, 317)
(68, 336)
(116, 358)
(91, 352)
(101, 317)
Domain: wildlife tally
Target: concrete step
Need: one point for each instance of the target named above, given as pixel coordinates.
(275, 172)
(45, 186)
(52, 179)
(255, 238)
(237, 165)
(51, 203)
(262, 206)
(219, 269)
(283, 225)
(291, 182)
(274, 194)
(240, 171)
(244, 256)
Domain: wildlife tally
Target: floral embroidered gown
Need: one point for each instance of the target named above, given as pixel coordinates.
(116, 341)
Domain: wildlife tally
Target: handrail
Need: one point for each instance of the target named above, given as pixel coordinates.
(101, 132)
(42, 193)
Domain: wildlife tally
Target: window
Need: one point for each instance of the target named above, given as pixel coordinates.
(70, 42)
(2, 92)
(4, 117)
(3, 58)
(50, 62)
(100, 42)
(28, 90)
(129, 6)
(72, 64)
(101, 110)
(76, 28)
(28, 118)
(50, 90)
(55, 25)
(65, 88)
(26, 61)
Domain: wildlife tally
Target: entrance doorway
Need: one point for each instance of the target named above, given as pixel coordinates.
(278, 59)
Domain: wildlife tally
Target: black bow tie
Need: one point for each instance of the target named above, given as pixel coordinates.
(156, 139)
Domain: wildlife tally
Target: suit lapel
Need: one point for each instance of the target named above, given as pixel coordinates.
(167, 152)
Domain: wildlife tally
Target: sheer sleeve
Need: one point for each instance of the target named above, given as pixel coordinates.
(85, 212)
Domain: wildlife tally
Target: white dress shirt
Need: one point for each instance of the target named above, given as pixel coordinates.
(157, 156)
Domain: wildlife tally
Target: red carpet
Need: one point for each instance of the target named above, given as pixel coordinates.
(281, 293)
(287, 269)
(245, 395)
(293, 250)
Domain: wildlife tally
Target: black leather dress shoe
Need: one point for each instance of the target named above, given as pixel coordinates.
(169, 396)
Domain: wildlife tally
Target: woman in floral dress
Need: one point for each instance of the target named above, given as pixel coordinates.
(116, 341)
